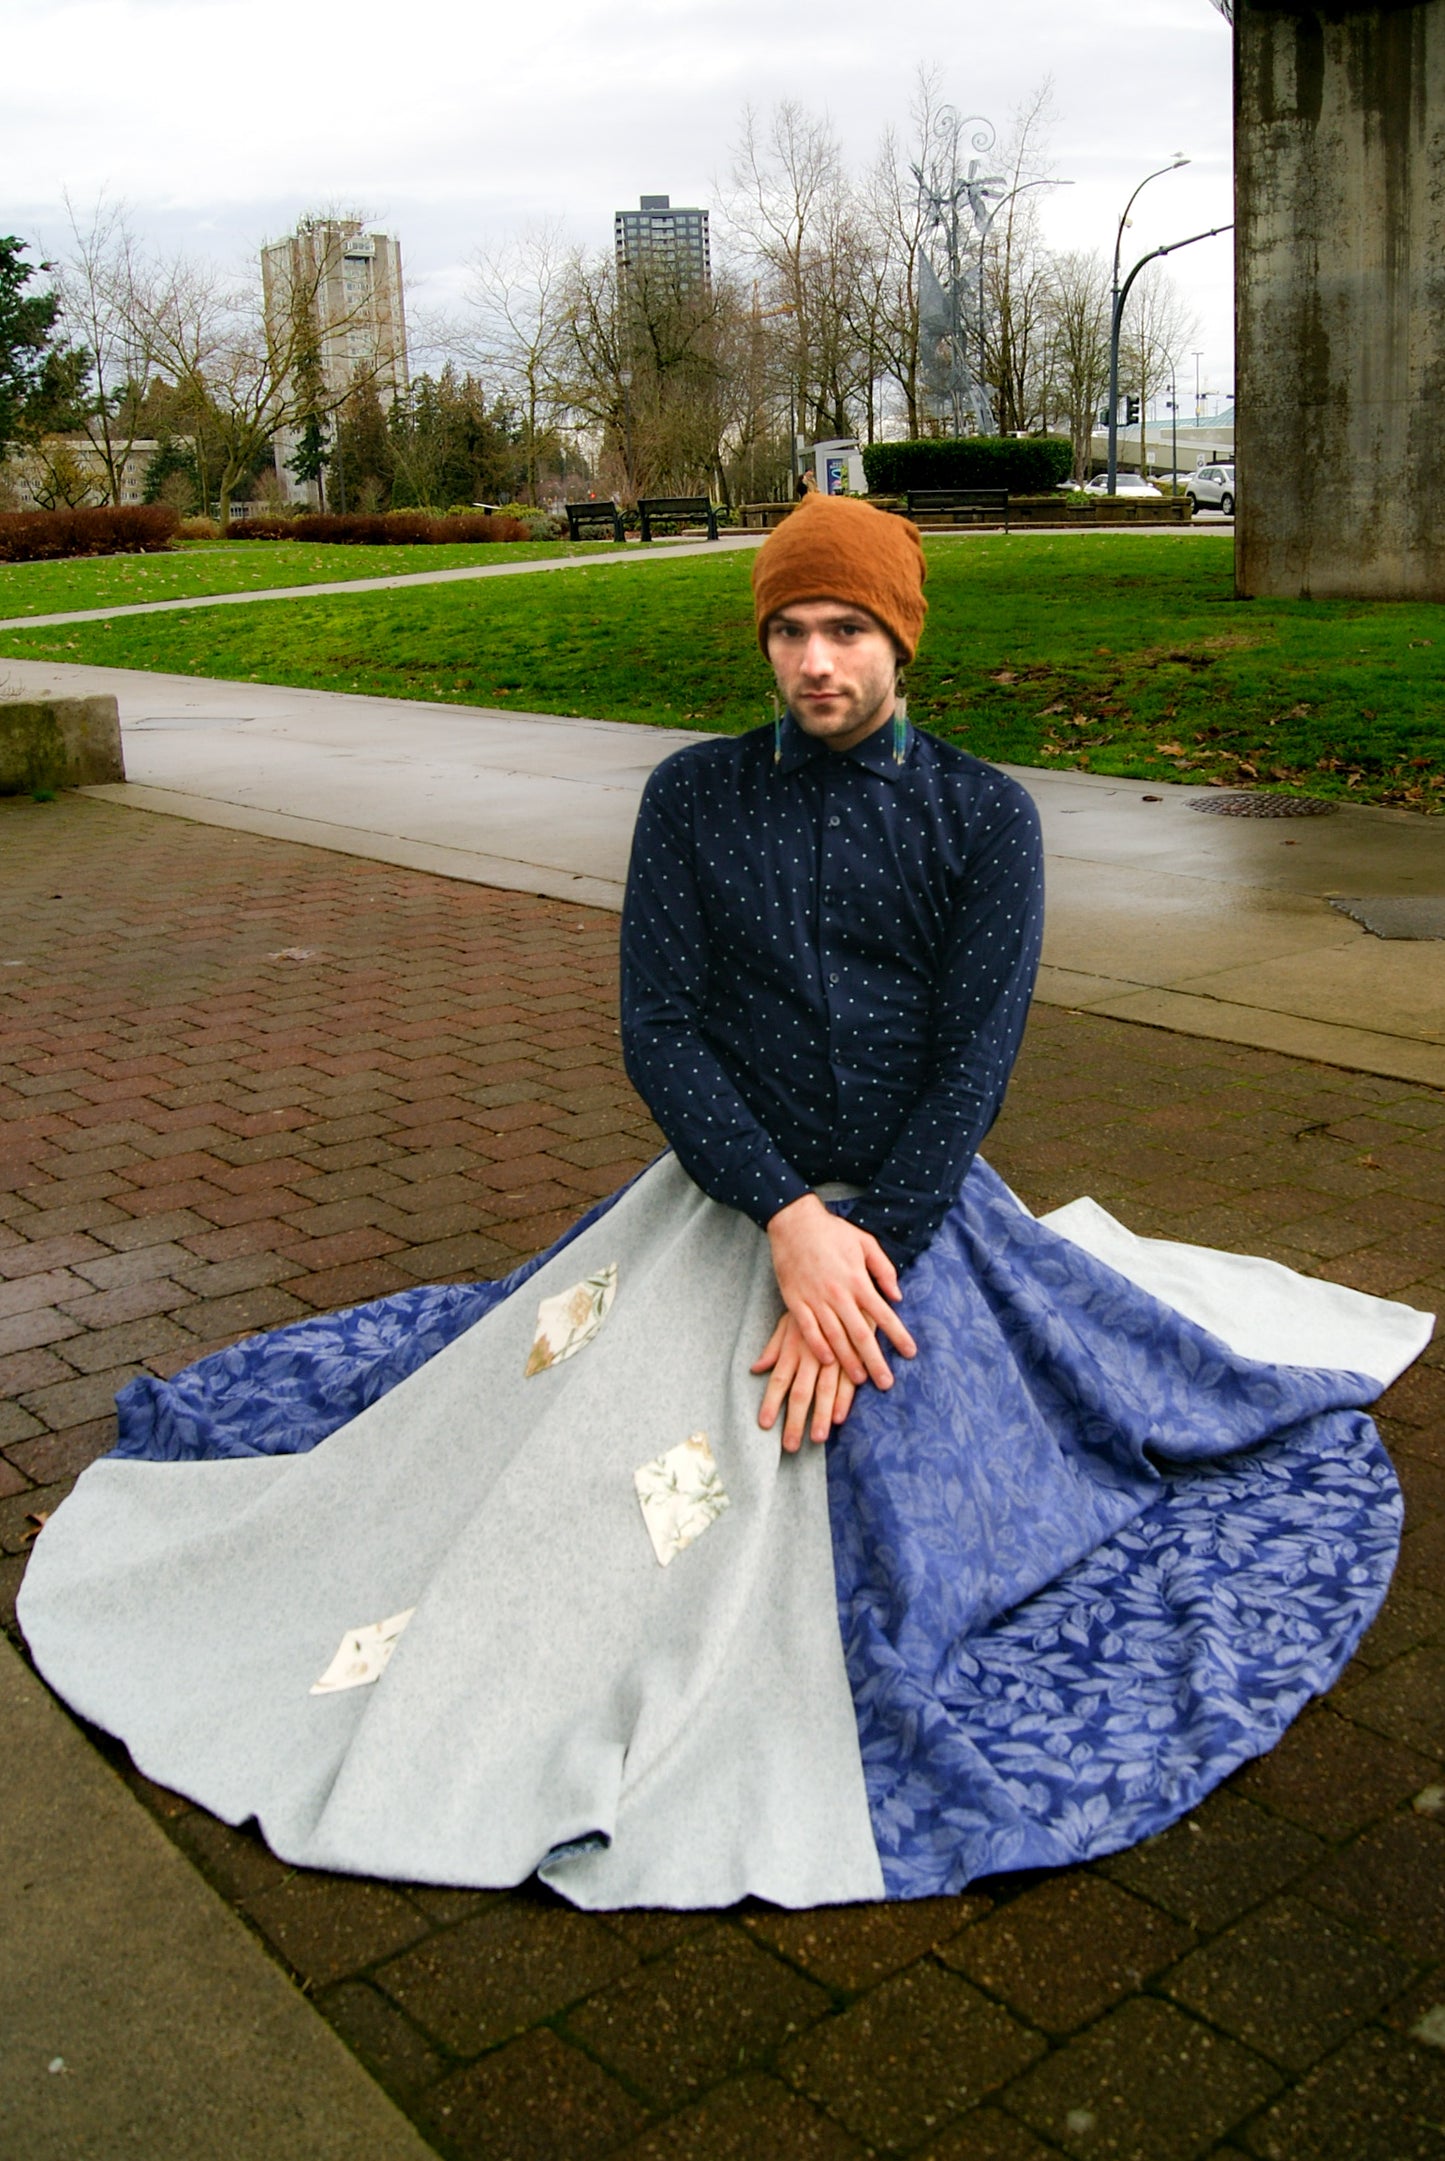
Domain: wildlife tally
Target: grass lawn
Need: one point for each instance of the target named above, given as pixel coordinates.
(1117, 654)
(241, 566)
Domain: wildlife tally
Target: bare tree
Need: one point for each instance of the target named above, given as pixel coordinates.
(899, 223)
(650, 362)
(1015, 272)
(242, 370)
(1159, 327)
(807, 239)
(517, 332)
(97, 284)
(1078, 348)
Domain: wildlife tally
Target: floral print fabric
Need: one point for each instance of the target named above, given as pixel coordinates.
(363, 1655)
(681, 1493)
(1087, 1559)
(570, 1320)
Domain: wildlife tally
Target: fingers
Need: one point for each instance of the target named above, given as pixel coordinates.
(825, 1396)
(879, 1267)
(811, 1330)
(782, 1380)
(864, 1324)
(847, 1337)
(768, 1356)
(801, 1398)
(891, 1325)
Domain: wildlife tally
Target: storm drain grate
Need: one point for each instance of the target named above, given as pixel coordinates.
(1264, 806)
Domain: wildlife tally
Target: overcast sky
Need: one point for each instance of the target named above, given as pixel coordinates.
(220, 121)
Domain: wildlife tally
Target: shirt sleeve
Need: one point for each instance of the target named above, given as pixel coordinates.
(981, 1005)
(665, 956)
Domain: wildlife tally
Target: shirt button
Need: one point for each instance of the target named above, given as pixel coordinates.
(835, 821)
(833, 978)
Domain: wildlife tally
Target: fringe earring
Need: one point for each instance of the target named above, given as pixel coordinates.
(900, 725)
(778, 711)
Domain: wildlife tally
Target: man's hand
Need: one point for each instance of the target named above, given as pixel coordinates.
(818, 1397)
(839, 1287)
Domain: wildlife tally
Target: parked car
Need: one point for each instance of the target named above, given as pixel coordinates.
(1211, 487)
(1124, 484)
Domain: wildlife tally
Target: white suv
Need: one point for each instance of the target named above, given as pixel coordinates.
(1211, 488)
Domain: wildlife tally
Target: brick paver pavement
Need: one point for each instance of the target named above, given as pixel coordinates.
(243, 1081)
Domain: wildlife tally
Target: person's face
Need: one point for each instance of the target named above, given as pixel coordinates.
(836, 667)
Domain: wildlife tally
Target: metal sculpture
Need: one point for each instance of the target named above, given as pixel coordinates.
(959, 206)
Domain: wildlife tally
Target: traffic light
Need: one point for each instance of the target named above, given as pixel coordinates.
(1131, 412)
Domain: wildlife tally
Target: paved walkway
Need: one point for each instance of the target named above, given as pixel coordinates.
(1214, 926)
(243, 1080)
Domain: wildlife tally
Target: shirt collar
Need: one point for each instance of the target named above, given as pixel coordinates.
(797, 748)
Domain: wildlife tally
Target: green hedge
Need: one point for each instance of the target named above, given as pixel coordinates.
(1025, 465)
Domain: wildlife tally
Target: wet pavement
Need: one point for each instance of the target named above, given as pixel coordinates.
(1215, 926)
(243, 1080)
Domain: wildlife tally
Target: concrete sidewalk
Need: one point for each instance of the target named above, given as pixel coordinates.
(1214, 926)
(242, 1081)
(139, 2021)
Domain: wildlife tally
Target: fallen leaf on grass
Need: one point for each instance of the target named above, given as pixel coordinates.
(1171, 750)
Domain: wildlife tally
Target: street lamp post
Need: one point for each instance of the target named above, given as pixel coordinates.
(1115, 312)
(1170, 248)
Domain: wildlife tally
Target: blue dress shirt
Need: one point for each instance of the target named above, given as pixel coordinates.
(826, 966)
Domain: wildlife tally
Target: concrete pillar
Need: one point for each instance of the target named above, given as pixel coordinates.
(1340, 263)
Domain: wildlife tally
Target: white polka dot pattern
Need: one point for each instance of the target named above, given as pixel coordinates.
(826, 968)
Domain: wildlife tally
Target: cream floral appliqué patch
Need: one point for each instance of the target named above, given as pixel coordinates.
(681, 1494)
(363, 1656)
(570, 1320)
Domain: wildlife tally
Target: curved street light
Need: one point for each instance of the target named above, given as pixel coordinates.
(1115, 315)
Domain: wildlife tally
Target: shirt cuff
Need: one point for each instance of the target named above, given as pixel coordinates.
(780, 1188)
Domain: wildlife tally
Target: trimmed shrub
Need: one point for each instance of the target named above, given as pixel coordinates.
(1025, 465)
(540, 524)
(198, 529)
(376, 528)
(39, 536)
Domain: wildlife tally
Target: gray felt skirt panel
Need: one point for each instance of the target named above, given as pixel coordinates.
(667, 1735)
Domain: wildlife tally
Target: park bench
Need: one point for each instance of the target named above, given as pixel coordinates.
(766, 515)
(986, 505)
(677, 510)
(580, 514)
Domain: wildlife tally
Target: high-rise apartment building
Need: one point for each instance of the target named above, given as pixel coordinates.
(349, 282)
(657, 237)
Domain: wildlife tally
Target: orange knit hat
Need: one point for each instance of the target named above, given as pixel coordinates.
(833, 547)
